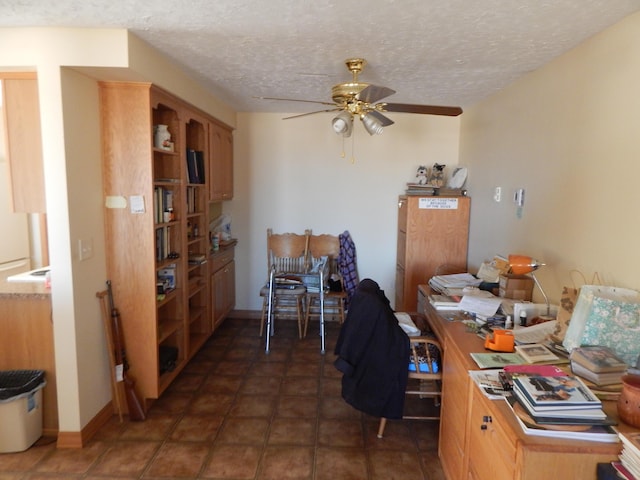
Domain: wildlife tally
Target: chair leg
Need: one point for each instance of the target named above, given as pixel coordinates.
(300, 310)
(306, 316)
(383, 423)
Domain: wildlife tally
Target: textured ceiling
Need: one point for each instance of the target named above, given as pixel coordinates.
(436, 52)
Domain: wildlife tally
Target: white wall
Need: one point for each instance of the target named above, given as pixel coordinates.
(290, 176)
(568, 134)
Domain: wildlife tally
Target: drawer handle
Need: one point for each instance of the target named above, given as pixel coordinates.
(487, 419)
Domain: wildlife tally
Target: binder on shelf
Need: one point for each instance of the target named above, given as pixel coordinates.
(195, 166)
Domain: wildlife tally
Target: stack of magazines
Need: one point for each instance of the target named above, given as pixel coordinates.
(560, 406)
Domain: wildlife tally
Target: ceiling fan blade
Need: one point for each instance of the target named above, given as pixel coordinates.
(425, 109)
(313, 113)
(373, 93)
(384, 121)
(295, 100)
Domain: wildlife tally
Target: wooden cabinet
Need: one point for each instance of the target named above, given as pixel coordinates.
(223, 286)
(26, 343)
(23, 141)
(220, 162)
(480, 439)
(432, 231)
(156, 227)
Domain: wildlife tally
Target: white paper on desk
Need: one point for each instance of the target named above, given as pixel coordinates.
(534, 334)
(487, 306)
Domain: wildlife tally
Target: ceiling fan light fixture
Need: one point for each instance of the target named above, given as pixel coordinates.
(372, 125)
(343, 124)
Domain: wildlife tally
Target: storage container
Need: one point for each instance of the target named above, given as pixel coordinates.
(20, 409)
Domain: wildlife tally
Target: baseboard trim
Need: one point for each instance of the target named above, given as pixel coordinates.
(80, 439)
(248, 314)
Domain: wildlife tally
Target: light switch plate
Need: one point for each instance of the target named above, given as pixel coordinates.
(85, 248)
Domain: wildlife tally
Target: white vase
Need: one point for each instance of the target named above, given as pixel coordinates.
(162, 137)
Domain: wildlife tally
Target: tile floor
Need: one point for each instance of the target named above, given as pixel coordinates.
(236, 413)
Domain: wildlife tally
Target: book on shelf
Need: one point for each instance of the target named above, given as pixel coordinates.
(545, 393)
(536, 353)
(598, 359)
(594, 433)
(600, 379)
(195, 166)
(197, 258)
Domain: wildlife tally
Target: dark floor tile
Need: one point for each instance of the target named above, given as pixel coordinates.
(292, 431)
(178, 460)
(284, 463)
(340, 433)
(341, 463)
(300, 386)
(156, 427)
(197, 428)
(237, 462)
(238, 413)
(297, 406)
(126, 459)
(71, 461)
(248, 431)
(253, 406)
(211, 403)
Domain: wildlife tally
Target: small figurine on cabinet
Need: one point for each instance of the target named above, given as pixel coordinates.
(421, 175)
(436, 175)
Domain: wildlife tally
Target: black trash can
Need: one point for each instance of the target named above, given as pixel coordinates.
(20, 409)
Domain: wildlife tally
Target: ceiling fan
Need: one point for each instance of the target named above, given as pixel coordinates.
(359, 99)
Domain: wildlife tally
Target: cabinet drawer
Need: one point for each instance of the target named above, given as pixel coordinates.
(219, 260)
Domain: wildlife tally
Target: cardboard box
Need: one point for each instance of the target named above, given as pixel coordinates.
(518, 287)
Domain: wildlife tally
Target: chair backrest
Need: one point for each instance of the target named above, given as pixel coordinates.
(287, 251)
(325, 245)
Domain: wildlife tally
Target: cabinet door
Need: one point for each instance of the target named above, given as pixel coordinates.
(223, 292)
(24, 143)
(437, 230)
(221, 162)
(492, 453)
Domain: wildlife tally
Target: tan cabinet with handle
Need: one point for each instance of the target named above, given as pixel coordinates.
(432, 231)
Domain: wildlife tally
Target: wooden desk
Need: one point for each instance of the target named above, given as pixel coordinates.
(481, 438)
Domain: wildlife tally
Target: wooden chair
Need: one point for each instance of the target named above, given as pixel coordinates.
(425, 373)
(286, 255)
(334, 302)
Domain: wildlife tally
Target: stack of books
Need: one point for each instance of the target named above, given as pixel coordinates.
(419, 189)
(598, 364)
(560, 406)
(453, 284)
(444, 302)
(629, 465)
